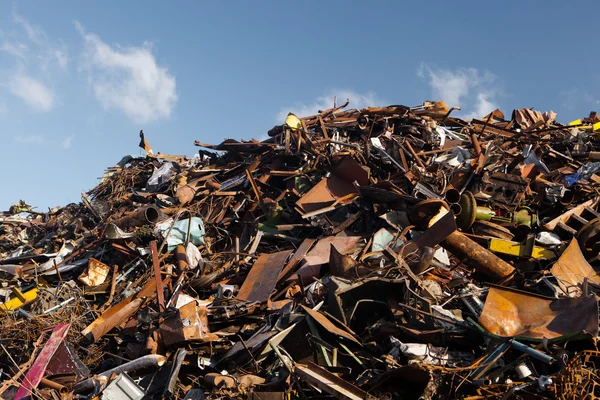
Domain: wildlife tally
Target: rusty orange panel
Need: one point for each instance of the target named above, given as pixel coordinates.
(571, 269)
(262, 278)
(509, 312)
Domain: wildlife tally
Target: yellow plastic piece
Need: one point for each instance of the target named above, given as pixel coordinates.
(20, 299)
(293, 122)
(596, 126)
(517, 249)
(576, 122)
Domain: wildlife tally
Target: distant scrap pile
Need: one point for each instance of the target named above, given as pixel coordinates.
(387, 252)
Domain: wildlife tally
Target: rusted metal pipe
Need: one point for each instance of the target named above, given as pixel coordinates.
(150, 360)
(476, 144)
(414, 154)
(594, 156)
(455, 208)
(181, 257)
(567, 197)
(483, 260)
(111, 318)
(120, 312)
(56, 386)
(139, 217)
(452, 196)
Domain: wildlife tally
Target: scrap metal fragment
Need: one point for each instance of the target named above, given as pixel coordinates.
(148, 361)
(571, 269)
(514, 313)
(190, 323)
(262, 278)
(54, 347)
(329, 382)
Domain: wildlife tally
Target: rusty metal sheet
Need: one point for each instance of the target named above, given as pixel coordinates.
(509, 313)
(320, 254)
(571, 269)
(435, 234)
(298, 256)
(330, 382)
(190, 323)
(262, 278)
(325, 193)
(96, 273)
(349, 170)
(328, 325)
(38, 369)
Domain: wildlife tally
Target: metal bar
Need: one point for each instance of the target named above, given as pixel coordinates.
(329, 382)
(160, 294)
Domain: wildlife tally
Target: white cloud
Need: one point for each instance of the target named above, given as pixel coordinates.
(33, 139)
(483, 106)
(43, 52)
(67, 143)
(129, 79)
(32, 91)
(36, 35)
(357, 100)
(37, 61)
(474, 91)
(61, 58)
(16, 49)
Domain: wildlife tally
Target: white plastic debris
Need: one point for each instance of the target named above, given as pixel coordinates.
(548, 239)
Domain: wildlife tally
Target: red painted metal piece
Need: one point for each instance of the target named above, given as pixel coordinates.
(36, 372)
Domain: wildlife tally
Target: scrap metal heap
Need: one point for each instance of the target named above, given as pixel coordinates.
(389, 252)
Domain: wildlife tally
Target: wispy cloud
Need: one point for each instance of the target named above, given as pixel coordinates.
(32, 139)
(32, 91)
(42, 51)
(474, 91)
(67, 142)
(37, 59)
(357, 100)
(36, 35)
(129, 79)
(15, 49)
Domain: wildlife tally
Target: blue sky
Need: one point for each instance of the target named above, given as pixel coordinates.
(78, 80)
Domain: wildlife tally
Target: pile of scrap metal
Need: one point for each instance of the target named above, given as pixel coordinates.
(390, 252)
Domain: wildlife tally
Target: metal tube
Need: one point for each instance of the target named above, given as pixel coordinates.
(452, 196)
(56, 386)
(139, 217)
(476, 144)
(455, 208)
(414, 154)
(151, 360)
(483, 260)
(532, 352)
(567, 198)
(181, 257)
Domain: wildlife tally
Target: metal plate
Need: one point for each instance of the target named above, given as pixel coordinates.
(509, 313)
(262, 278)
